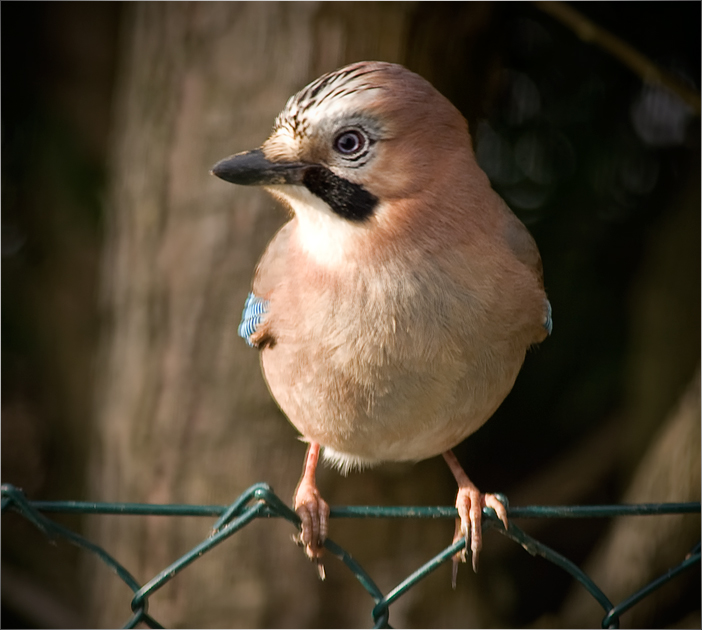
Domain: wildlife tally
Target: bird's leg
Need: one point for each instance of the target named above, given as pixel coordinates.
(312, 510)
(470, 503)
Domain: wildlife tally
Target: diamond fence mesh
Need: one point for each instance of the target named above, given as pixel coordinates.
(259, 501)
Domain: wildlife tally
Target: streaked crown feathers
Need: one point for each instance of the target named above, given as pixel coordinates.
(329, 89)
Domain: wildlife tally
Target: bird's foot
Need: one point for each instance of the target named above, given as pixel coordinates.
(470, 503)
(313, 511)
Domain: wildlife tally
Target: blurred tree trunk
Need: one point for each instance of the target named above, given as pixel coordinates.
(183, 412)
(638, 550)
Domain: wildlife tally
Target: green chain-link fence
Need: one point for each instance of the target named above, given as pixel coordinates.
(259, 501)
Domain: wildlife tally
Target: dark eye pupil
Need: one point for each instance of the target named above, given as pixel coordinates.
(348, 142)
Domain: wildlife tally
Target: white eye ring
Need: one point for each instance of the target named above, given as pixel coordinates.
(350, 142)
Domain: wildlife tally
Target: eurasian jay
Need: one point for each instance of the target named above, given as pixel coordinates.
(394, 309)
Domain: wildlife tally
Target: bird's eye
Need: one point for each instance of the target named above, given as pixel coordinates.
(349, 142)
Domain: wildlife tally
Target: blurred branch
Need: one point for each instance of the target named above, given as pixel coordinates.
(590, 32)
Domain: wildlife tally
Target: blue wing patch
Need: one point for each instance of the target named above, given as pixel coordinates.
(548, 322)
(254, 314)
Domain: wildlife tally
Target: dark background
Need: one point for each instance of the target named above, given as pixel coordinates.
(602, 168)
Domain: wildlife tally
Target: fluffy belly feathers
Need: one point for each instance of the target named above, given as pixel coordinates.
(377, 384)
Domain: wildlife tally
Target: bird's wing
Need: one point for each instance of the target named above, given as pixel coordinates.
(522, 244)
(253, 318)
(254, 327)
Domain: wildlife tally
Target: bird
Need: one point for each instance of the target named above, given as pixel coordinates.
(394, 309)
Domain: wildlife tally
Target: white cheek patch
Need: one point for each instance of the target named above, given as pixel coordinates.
(329, 239)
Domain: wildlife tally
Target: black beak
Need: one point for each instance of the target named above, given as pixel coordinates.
(252, 168)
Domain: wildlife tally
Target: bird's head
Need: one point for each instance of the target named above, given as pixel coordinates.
(353, 144)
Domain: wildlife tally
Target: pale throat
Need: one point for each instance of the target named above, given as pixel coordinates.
(327, 238)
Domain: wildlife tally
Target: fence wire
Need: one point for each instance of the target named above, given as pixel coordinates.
(259, 501)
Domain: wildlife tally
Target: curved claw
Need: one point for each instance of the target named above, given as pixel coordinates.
(470, 503)
(313, 511)
(495, 501)
(314, 516)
